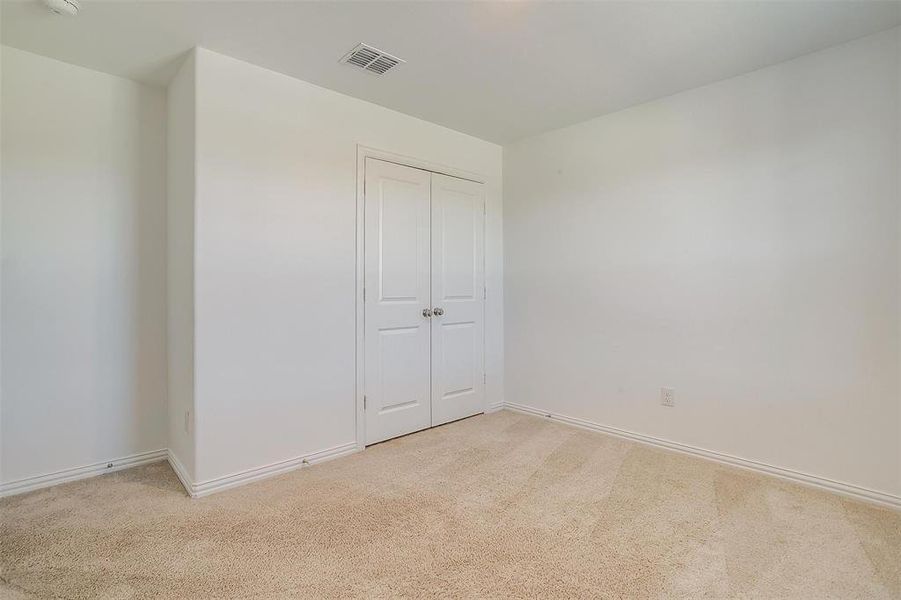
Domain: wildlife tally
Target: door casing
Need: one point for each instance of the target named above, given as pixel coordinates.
(364, 152)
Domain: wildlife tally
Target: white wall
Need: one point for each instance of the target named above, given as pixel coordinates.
(83, 272)
(180, 263)
(738, 242)
(275, 262)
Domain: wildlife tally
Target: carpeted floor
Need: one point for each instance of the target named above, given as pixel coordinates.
(502, 505)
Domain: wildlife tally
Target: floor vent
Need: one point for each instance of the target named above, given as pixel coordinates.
(371, 59)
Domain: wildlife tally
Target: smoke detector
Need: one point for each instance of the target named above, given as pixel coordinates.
(68, 8)
(371, 59)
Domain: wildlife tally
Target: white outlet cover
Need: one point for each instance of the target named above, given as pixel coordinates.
(667, 396)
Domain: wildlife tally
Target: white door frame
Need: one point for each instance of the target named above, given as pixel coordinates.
(364, 152)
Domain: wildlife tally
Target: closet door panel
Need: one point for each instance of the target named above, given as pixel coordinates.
(458, 290)
(397, 335)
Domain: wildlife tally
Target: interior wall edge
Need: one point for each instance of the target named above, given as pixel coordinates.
(181, 193)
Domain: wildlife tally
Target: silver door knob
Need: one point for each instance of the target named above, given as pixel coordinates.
(426, 312)
(438, 312)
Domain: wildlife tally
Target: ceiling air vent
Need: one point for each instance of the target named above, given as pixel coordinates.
(371, 59)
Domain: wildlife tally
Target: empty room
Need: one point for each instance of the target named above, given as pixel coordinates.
(434, 299)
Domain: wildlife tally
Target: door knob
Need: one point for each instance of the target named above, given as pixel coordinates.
(438, 312)
(426, 312)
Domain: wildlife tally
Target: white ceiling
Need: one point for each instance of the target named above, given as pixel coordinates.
(496, 70)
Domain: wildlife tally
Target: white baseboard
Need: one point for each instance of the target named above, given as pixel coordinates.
(838, 487)
(218, 484)
(205, 488)
(180, 471)
(195, 490)
(494, 407)
(28, 484)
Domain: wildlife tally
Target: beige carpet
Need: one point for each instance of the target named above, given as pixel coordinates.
(503, 505)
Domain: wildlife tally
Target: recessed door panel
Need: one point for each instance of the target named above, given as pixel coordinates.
(400, 237)
(458, 282)
(458, 248)
(397, 337)
(399, 347)
(457, 356)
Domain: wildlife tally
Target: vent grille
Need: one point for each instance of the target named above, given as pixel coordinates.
(371, 59)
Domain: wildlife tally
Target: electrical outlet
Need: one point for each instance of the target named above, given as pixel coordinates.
(667, 396)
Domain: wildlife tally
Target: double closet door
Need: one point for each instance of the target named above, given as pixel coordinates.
(424, 294)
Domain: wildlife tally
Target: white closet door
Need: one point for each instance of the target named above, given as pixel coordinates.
(458, 286)
(397, 335)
